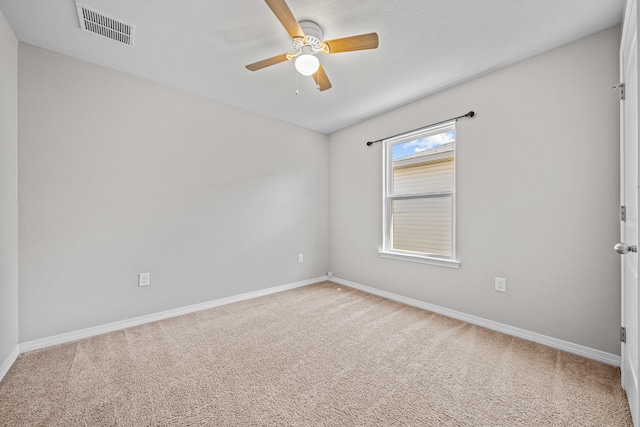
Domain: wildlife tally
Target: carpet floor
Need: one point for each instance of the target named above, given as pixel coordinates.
(321, 355)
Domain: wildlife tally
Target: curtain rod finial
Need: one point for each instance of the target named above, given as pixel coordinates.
(470, 114)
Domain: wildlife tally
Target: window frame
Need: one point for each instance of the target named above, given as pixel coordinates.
(388, 197)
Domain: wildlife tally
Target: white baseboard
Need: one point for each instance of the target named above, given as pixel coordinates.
(6, 365)
(590, 353)
(123, 324)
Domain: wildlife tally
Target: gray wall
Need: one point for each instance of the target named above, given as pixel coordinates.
(119, 176)
(8, 190)
(538, 196)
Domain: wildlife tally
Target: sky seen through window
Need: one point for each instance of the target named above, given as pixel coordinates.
(421, 144)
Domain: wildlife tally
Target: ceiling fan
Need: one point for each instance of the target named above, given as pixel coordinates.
(307, 42)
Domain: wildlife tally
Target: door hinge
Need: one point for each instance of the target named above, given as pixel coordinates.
(623, 213)
(620, 87)
(623, 334)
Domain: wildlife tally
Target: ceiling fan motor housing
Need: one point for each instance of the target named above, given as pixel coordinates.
(313, 34)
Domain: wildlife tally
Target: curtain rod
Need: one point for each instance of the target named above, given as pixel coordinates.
(469, 114)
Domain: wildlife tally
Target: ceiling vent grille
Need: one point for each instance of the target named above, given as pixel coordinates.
(105, 25)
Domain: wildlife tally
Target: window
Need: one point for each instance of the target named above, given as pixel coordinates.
(419, 196)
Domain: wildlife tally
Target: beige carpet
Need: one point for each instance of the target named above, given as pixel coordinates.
(314, 356)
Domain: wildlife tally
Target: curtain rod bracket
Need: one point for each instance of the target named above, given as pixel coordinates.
(469, 114)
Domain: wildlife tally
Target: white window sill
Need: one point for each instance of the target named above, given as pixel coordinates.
(442, 262)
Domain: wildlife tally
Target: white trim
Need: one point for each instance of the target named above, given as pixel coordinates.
(423, 259)
(6, 365)
(590, 353)
(123, 324)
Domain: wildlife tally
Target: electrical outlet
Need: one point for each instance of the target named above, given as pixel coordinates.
(144, 279)
(501, 284)
(300, 257)
(330, 275)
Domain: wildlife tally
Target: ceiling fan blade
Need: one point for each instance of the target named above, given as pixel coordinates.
(321, 79)
(348, 44)
(286, 18)
(269, 61)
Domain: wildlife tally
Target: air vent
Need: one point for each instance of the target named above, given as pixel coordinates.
(105, 25)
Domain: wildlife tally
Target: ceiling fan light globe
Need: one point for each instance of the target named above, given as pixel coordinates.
(307, 64)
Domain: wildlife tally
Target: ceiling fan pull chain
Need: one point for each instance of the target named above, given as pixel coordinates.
(297, 85)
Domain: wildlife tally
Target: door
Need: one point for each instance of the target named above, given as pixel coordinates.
(629, 199)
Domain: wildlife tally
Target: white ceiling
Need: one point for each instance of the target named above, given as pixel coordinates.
(202, 46)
